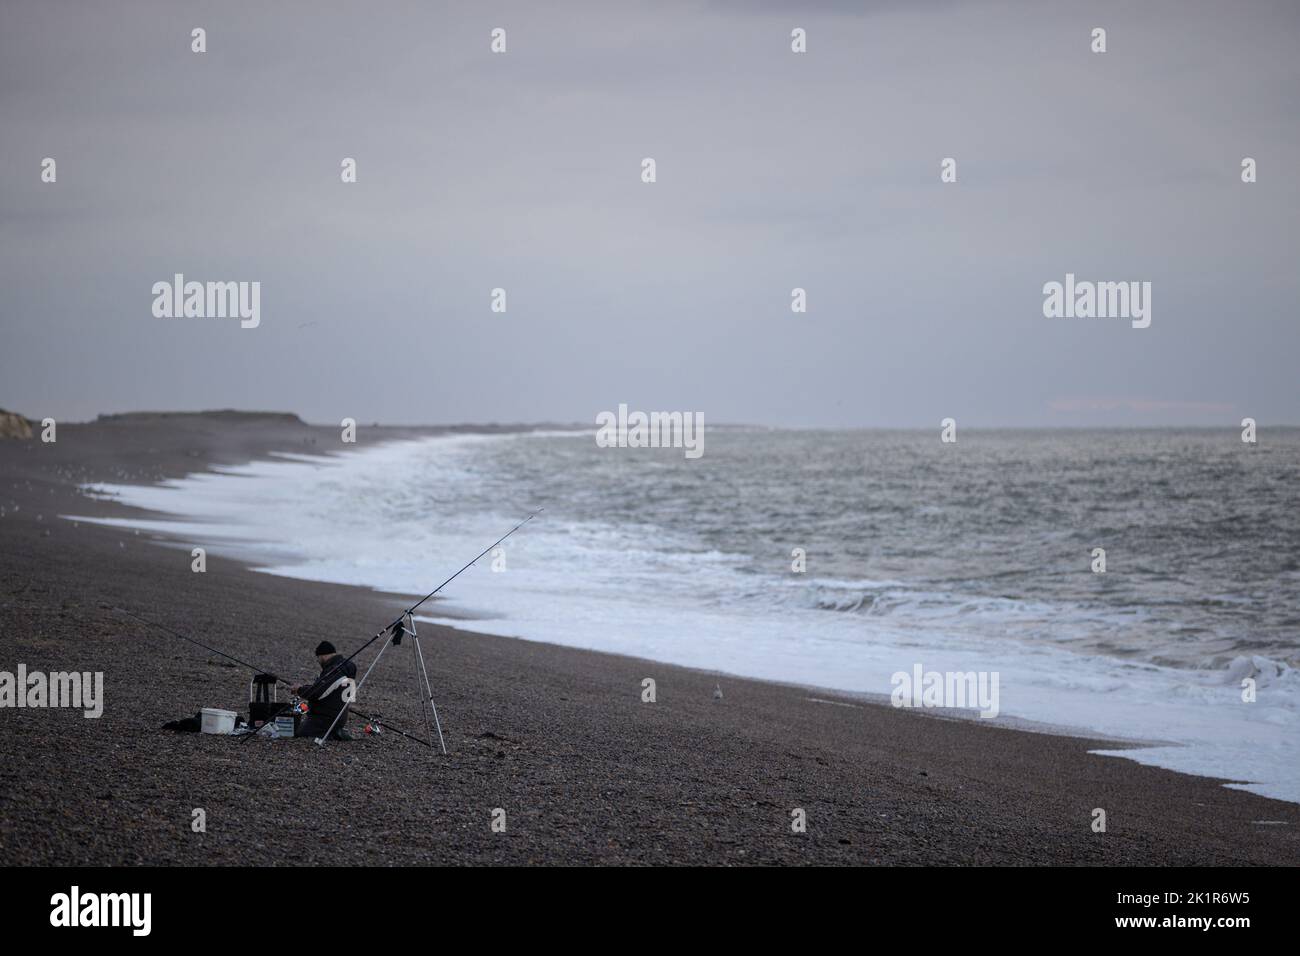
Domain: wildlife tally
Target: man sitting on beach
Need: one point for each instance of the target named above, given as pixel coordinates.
(329, 696)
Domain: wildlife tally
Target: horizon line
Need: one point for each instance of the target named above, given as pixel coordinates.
(576, 426)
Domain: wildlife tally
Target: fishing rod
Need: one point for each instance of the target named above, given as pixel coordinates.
(382, 726)
(416, 605)
(395, 630)
(230, 657)
(207, 647)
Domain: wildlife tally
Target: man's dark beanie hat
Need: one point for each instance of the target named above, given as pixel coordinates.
(325, 647)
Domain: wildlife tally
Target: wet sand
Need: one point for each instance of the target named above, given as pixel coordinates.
(557, 738)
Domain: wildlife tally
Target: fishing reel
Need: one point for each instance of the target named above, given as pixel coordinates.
(374, 726)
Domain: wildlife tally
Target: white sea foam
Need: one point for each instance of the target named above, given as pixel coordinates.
(643, 583)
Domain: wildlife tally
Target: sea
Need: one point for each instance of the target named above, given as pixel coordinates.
(837, 560)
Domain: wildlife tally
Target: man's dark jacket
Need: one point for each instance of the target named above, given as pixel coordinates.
(325, 697)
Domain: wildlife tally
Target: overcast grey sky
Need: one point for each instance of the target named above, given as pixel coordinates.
(775, 170)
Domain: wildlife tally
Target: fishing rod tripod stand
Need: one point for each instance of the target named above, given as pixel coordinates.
(401, 627)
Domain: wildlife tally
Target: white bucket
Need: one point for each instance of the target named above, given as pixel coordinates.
(217, 721)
